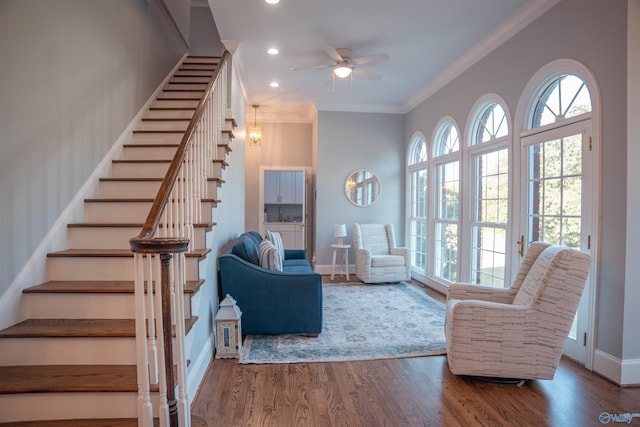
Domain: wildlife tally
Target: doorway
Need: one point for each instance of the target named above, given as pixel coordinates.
(283, 204)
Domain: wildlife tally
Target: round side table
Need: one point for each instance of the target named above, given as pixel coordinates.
(336, 247)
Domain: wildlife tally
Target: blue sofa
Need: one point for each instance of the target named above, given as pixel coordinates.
(272, 302)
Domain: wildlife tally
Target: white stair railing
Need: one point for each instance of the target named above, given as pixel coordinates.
(161, 273)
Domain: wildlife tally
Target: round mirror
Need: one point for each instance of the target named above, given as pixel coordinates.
(362, 187)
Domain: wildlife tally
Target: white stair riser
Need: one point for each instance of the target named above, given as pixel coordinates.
(86, 306)
(186, 86)
(49, 406)
(129, 189)
(67, 351)
(117, 211)
(103, 268)
(139, 170)
(162, 125)
(169, 114)
(117, 237)
(157, 138)
(164, 103)
(194, 79)
(191, 96)
(222, 152)
(149, 153)
(212, 189)
(202, 64)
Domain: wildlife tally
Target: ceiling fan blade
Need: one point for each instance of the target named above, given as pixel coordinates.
(333, 53)
(311, 67)
(367, 74)
(369, 59)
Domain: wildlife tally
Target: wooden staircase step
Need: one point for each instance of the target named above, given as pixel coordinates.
(68, 378)
(116, 253)
(172, 108)
(77, 328)
(206, 225)
(99, 287)
(71, 328)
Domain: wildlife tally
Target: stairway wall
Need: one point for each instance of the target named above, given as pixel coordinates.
(74, 74)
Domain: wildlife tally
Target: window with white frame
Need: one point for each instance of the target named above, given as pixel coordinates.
(417, 218)
(447, 201)
(489, 179)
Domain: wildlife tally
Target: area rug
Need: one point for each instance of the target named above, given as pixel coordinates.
(360, 322)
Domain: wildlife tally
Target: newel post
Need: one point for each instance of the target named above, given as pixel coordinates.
(164, 248)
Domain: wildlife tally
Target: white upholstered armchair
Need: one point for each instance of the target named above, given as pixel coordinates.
(378, 259)
(519, 332)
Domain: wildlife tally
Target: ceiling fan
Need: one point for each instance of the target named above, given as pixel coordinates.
(343, 65)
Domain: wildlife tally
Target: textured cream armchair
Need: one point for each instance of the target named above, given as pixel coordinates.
(378, 259)
(520, 332)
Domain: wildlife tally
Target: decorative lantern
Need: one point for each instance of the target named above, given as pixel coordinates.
(228, 329)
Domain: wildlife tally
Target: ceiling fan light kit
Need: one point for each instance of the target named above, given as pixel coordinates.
(343, 65)
(342, 71)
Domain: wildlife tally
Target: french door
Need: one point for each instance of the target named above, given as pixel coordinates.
(558, 198)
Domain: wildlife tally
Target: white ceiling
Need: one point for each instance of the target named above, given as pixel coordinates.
(429, 43)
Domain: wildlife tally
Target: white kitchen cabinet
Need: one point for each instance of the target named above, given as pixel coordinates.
(284, 187)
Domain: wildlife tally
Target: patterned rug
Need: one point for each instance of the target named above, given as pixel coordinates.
(360, 322)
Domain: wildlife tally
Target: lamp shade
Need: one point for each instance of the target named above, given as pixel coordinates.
(342, 71)
(340, 230)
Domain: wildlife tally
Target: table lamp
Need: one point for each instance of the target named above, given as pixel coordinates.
(340, 232)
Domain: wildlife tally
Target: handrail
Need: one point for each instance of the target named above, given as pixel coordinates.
(159, 203)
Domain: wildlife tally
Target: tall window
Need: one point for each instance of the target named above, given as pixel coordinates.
(489, 155)
(559, 181)
(447, 202)
(417, 218)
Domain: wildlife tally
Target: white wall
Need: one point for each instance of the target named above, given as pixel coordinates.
(73, 75)
(203, 33)
(594, 33)
(350, 141)
(631, 343)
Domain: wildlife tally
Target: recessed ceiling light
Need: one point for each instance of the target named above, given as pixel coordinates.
(274, 84)
(272, 1)
(273, 51)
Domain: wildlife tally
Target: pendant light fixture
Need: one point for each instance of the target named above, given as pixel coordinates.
(254, 133)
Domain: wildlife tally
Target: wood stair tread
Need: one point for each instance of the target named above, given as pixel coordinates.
(207, 225)
(133, 179)
(68, 378)
(77, 328)
(116, 253)
(171, 108)
(71, 328)
(142, 161)
(164, 131)
(99, 286)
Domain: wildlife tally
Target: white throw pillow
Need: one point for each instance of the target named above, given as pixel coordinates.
(275, 238)
(269, 256)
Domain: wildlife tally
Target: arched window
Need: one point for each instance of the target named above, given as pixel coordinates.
(417, 179)
(559, 174)
(489, 189)
(447, 201)
(565, 96)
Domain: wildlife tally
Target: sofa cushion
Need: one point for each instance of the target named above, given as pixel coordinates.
(297, 269)
(269, 256)
(387, 261)
(246, 248)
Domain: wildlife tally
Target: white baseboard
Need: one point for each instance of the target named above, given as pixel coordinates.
(624, 372)
(199, 368)
(326, 269)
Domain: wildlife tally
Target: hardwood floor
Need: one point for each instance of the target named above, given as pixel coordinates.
(401, 392)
